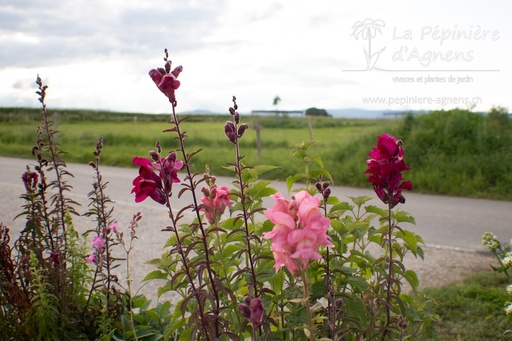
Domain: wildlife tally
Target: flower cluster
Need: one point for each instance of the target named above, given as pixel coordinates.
(491, 241)
(150, 184)
(98, 244)
(166, 80)
(300, 229)
(385, 168)
(215, 201)
(230, 129)
(508, 308)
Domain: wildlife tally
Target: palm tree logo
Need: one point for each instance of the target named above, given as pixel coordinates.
(367, 29)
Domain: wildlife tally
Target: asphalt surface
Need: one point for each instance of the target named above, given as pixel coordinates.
(442, 221)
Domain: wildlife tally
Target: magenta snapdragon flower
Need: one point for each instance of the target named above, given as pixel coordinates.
(385, 168)
(153, 185)
(167, 81)
(30, 180)
(299, 231)
(216, 200)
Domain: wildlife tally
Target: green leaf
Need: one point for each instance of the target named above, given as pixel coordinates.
(315, 174)
(318, 160)
(410, 239)
(260, 190)
(410, 276)
(231, 249)
(359, 201)
(377, 210)
(155, 274)
(260, 169)
(403, 217)
(186, 335)
(139, 301)
(293, 179)
(318, 290)
(341, 208)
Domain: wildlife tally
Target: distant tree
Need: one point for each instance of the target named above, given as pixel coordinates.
(275, 103)
(316, 112)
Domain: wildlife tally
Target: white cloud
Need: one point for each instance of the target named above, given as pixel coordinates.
(96, 53)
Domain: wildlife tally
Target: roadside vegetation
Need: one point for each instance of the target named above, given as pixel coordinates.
(472, 309)
(454, 152)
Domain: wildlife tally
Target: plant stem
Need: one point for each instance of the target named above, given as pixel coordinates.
(245, 214)
(390, 274)
(204, 241)
(503, 266)
(129, 278)
(305, 283)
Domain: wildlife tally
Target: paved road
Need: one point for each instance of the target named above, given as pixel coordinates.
(443, 221)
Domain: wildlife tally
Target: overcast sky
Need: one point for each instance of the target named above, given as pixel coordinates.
(400, 55)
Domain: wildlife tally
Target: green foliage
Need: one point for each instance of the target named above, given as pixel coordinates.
(471, 310)
(458, 152)
(316, 112)
(454, 152)
(47, 290)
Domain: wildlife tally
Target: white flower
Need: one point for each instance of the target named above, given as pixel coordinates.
(491, 241)
(508, 309)
(509, 289)
(507, 260)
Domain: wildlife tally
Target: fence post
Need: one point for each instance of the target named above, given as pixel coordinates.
(258, 128)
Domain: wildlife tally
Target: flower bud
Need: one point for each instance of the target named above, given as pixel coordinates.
(154, 155)
(318, 186)
(177, 70)
(326, 193)
(242, 129)
(205, 191)
(256, 309)
(232, 111)
(244, 309)
(237, 117)
(229, 130)
(401, 322)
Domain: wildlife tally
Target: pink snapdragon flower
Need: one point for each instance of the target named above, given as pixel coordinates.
(385, 168)
(216, 200)
(299, 231)
(153, 185)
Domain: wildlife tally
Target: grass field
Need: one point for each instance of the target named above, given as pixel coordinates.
(472, 309)
(453, 152)
(125, 139)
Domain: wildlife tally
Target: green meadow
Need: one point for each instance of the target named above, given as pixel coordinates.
(453, 152)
